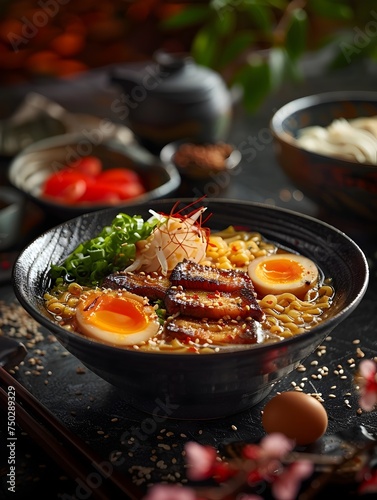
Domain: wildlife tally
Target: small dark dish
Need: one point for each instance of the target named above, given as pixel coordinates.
(337, 185)
(204, 171)
(31, 167)
(205, 385)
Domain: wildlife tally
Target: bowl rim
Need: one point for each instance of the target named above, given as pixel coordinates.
(61, 333)
(309, 101)
(114, 144)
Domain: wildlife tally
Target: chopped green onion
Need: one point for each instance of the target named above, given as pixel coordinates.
(113, 249)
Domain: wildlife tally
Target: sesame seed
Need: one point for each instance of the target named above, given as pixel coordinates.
(164, 446)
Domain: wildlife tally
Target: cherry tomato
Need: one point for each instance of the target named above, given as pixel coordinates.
(89, 165)
(66, 185)
(111, 192)
(101, 193)
(131, 190)
(84, 182)
(119, 175)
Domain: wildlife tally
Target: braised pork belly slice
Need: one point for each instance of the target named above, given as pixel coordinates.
(191, 275)
(240, 304)
(212, 332)
(153, 285)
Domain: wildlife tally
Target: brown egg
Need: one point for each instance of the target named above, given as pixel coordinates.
(296, 415)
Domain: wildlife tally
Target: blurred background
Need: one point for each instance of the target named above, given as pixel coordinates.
(256, 44)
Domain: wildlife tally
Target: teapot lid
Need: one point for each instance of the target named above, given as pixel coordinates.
(178, 77)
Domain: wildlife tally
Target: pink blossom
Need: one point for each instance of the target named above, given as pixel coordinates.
(273, 445)
(200, 460)
(170, 492)
(202, 463)
(368, 386)
(276, 445)
(287, 484)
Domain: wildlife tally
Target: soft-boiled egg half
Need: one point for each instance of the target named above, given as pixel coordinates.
(116, 317)
(280, 273)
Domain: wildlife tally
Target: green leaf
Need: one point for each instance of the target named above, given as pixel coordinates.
(259, 14)
(225, 23)
(278, 4)
(238, 44)
(204, 47)
(332, 9)
(255, 78)
(296, 36)
(190, 16)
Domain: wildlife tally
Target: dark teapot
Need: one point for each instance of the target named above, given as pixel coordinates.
(172, 98)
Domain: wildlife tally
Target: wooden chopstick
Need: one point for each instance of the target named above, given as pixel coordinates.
(68, 450)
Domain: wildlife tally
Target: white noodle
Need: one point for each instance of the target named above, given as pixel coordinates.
(354, 140)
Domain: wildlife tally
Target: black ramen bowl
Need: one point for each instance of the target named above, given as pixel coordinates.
(339, 186)
(200, 386)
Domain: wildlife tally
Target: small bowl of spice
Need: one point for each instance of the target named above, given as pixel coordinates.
(200, 160)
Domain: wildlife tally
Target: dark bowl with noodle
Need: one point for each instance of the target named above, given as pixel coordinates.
(341, 179)
(205, 385)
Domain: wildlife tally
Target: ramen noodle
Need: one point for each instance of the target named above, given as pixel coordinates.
(352, 140)
(285, 314)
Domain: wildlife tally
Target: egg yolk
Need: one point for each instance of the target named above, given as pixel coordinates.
(116, 314)
(280, 270)
(118, 318)
(282, 273)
